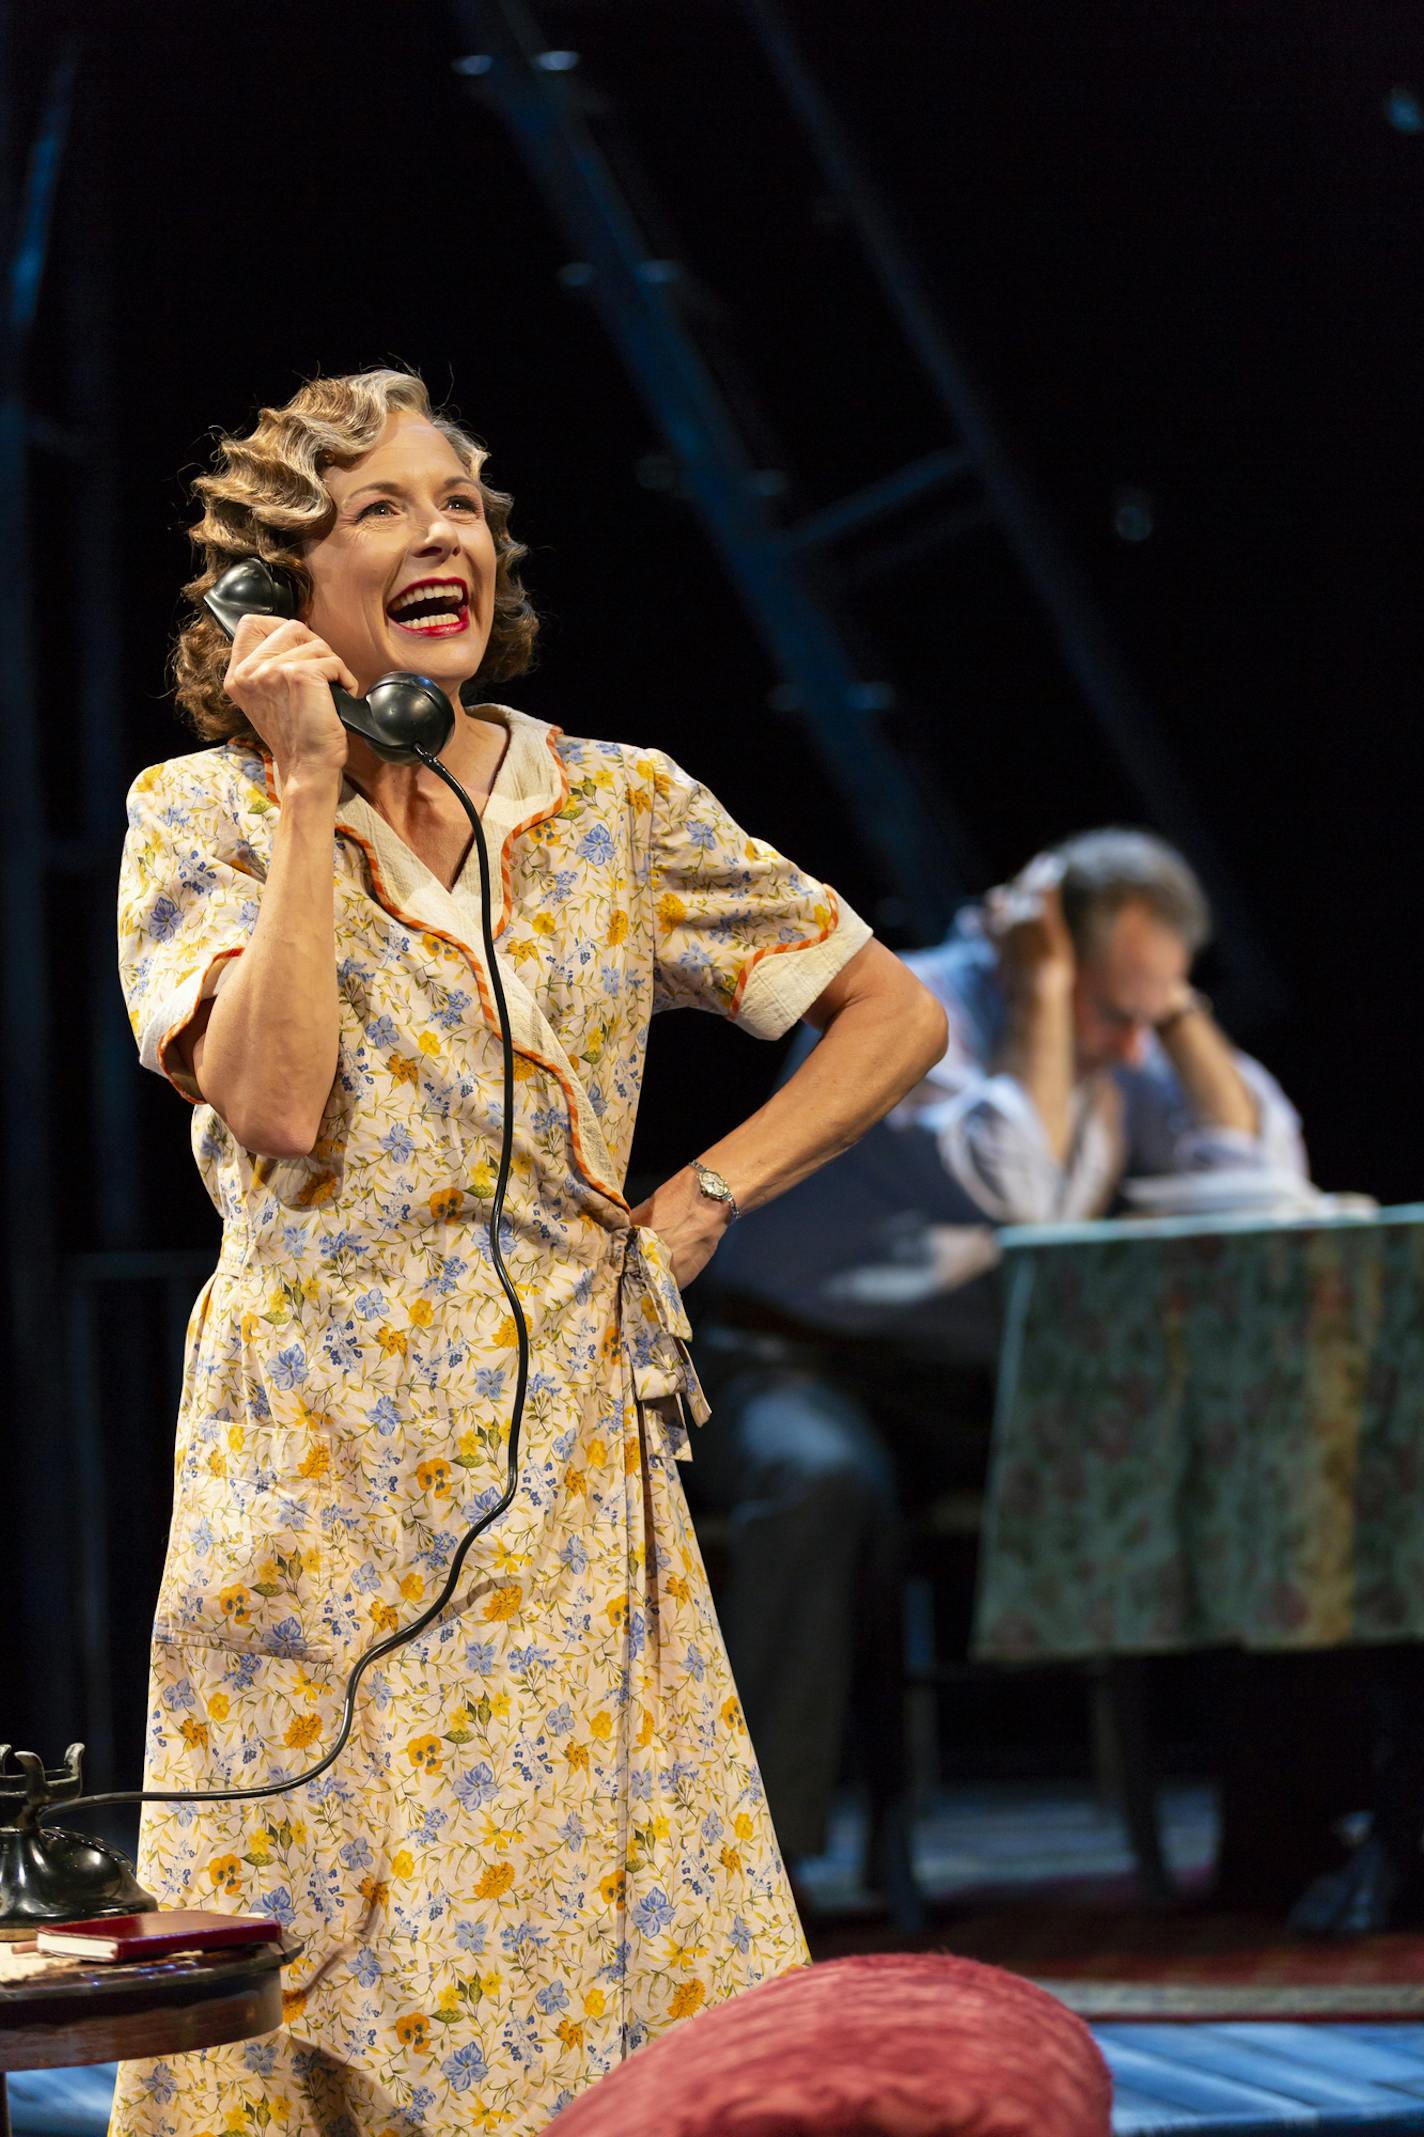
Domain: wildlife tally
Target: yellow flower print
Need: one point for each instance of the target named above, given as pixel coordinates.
(445, 1205)
(447, 2003)
(576, 1480)
(671, 910)
(303, 1731)
(570, 2032)
(294, 2002)
(412, 1586)
(617, 928)
(506, 1335)
(404, 1068)
(616, 1611)
(503, 1603)
(402, 1863)
(687, 1998)
(219, 1707)
(217, 1462)
(645, 1730)
(194, 1732)
(595, 2003)
(235, 1603)
(413, 2031)
(677, 1588)
(424, 1752)
(543, 923)
(435, 1476)
(601, 1726)
(315, 1464)
(422, 1313)
(495, 1881)
(374, 1891)
(428, 1043)
(732, 1715)
(384, 1616)
(482, 1178)
(729, 1858)
(225, 1872)
(613, 1887)
(577, 1756)
(393, 1341)
(499, 1836)
(509, 1561)
(742, 1826)
(237, 1437)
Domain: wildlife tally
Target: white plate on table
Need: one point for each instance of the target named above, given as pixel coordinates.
(1220, 1194)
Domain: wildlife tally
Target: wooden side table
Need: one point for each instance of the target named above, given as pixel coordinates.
(71, 2013)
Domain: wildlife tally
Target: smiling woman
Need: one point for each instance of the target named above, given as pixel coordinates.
(273, 495)
(547, 1838)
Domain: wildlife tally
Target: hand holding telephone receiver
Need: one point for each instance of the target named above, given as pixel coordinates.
(402, 717)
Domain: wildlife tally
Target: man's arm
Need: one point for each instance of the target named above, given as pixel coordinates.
(1205, 1062)
(1037, 969)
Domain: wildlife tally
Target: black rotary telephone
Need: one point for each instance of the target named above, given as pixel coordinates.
(402, 717)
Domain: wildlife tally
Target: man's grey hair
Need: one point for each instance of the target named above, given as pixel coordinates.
(1105, 870)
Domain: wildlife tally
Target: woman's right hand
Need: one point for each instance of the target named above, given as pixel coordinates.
(280, 676)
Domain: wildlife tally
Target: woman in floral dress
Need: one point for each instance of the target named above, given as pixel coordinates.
(546, 1838)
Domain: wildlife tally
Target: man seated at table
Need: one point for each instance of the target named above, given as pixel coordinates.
(855, 1322)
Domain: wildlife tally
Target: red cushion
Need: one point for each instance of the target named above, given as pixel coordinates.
(896, 2044)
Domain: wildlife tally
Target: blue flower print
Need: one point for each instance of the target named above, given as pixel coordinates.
(653, 1913)
(465, 2068)
(289, 1368)
(596, 845)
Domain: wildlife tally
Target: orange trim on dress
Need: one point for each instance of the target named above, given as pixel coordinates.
(551, 742)
(175, 1031)
(774, 949)
(421, 927)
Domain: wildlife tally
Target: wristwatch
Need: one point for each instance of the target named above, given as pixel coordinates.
(715, 1188)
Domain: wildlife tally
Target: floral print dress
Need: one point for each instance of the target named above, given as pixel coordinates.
(547, 1838)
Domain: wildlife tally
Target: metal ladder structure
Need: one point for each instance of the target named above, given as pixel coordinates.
(532, 86)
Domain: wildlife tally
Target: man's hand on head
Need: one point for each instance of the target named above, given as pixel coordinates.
(1024, 920)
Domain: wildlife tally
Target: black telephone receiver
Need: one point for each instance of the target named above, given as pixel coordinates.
(402, 717)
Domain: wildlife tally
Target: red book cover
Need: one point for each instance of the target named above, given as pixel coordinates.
(154, 1936)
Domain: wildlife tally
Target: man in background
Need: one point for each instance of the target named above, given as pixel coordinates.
(855, 1322)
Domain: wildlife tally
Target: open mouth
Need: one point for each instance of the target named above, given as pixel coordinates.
(432, 608)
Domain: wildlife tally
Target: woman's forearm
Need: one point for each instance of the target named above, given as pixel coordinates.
(875, 1048)
(882, 1032)
(267, 1058)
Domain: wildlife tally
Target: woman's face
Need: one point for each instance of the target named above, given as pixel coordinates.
(404, 578)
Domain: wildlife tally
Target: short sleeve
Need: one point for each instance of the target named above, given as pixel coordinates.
(739, 929)
(189, 892)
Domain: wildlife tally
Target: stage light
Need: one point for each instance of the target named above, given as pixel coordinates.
(472, 63)
(1403, 110)
(1134, 515)
(557, 62)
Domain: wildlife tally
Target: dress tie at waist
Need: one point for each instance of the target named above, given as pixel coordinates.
(657, 1331)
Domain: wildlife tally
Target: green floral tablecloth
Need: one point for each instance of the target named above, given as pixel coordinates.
(1207, 1432)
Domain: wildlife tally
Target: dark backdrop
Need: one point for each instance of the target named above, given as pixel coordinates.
(1178, 248)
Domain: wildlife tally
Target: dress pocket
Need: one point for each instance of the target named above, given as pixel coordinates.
(253, 1543)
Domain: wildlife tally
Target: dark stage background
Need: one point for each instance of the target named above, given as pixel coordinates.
(1177, 250)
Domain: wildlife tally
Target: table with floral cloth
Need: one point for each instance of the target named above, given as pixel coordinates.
(1208, 1431)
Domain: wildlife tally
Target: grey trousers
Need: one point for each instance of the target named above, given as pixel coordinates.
(809, 1457)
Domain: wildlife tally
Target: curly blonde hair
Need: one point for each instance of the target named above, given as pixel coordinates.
(266, 498)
